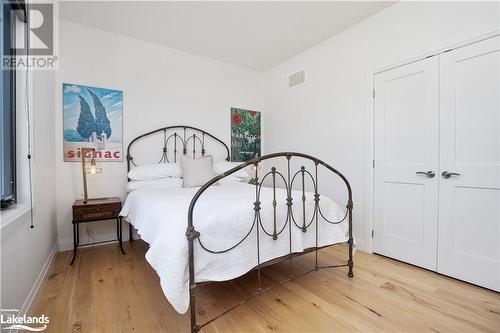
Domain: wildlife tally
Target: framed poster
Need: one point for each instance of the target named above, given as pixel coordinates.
(245, 134)
(92, 118)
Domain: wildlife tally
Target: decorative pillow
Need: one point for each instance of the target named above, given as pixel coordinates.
(223, 166)
(196, 172)
(155, 171)
(164, 182)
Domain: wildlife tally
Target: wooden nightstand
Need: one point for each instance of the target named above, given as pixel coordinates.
(96, 210)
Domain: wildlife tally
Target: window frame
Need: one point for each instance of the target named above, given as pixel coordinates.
(4, 204)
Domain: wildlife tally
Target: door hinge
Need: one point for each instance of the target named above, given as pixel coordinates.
(373, 233)
(373, 92)
(373, 163)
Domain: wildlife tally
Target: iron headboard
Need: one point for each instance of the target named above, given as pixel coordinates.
(183, 140)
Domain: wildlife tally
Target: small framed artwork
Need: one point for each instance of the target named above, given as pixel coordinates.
(245, 134)
(92, 118)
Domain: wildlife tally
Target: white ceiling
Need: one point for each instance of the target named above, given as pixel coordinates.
(256, 35)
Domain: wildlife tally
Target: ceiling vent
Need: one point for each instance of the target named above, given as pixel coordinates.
(297, 79)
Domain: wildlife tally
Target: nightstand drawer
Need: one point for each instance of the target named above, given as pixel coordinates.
(97, 215)
(96, 210)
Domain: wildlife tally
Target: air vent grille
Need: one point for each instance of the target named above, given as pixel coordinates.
(297, 79)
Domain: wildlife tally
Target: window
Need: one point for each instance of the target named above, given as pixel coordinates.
(8, 112)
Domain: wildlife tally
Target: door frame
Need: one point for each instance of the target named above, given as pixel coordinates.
(369, 223)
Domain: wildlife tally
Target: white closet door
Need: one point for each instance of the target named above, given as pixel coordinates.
(407, 142)
(469, 213)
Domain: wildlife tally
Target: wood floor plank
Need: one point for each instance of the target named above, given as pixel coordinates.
(105, 291)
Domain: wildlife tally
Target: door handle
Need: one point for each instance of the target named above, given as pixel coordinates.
(447, 174)
(429, 174)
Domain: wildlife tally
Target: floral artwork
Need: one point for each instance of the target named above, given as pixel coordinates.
(92, 118)
(245, 134)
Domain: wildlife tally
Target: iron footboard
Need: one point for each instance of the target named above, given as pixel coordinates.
(288, 179)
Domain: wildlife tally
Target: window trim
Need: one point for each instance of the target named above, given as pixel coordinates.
(13, 200)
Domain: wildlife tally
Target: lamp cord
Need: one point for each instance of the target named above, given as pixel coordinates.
(27, 110)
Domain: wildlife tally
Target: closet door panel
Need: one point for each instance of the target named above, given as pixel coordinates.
(406, 142)
(469, 214)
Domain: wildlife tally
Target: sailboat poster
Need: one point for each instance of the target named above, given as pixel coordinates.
(92, 118)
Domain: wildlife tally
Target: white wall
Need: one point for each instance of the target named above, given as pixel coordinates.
(26, 253)
(161, 87)
(327, 116)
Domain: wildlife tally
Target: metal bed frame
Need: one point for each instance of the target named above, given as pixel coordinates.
(191, 137)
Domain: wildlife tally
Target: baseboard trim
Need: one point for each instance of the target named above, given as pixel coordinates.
(29, 303)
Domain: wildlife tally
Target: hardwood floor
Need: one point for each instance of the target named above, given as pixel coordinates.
(107, 292)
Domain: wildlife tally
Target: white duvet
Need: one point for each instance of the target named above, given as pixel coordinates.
(223, 215)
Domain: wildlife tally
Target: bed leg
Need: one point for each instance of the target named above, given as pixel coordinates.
(351, 241)
(192, 290)
(351, 264)
(191, 235)
(192, 306)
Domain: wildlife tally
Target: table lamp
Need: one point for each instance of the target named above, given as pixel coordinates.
(91, 167)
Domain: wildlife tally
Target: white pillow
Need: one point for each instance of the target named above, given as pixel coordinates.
(196, 172)
(223, 166)
(155, 171)
(164, 182)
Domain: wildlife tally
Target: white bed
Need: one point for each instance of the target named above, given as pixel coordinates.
(223, 215)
